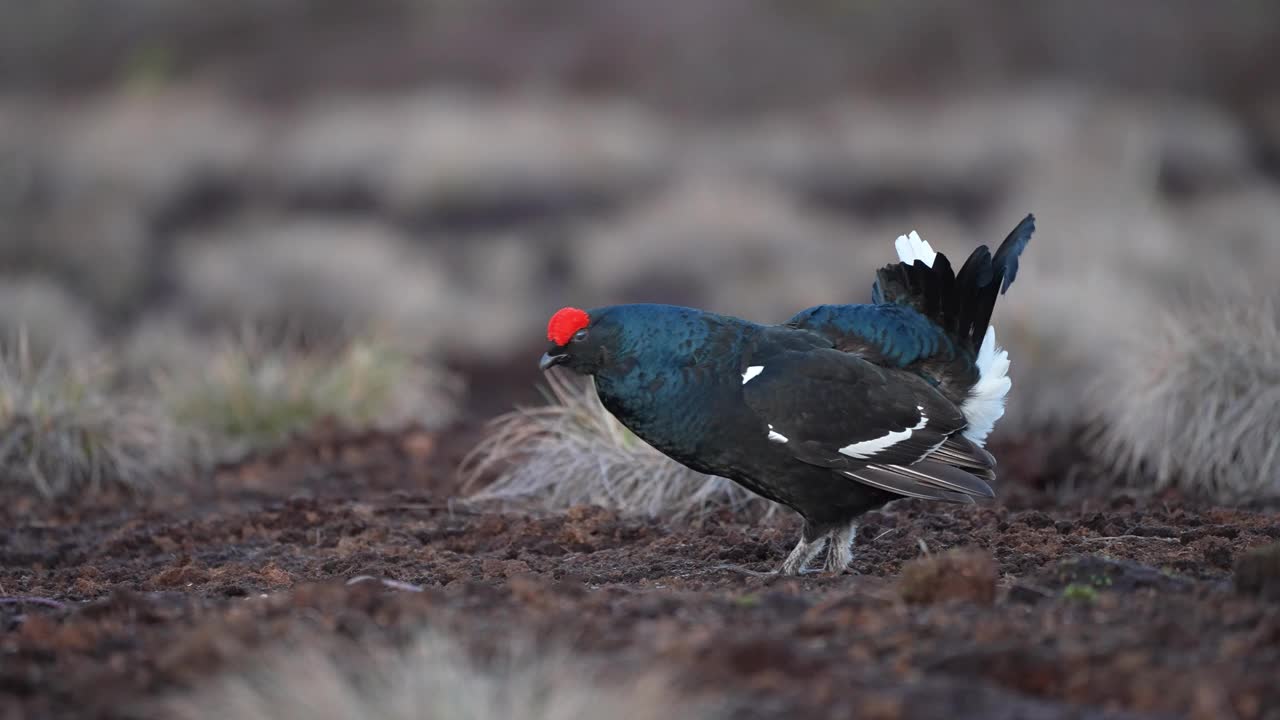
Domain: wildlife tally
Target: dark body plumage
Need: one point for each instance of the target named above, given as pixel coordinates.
(834, 413)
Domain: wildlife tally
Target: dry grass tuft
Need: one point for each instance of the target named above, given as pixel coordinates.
(175, 404)
(435, 679)
(572, 451)
(254, 393)
(64, 430)
(1195, 402)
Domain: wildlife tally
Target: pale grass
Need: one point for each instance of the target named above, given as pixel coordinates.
(572, 451)
(252, 392)
(64, 428)
(435, 678)
(1195, 401)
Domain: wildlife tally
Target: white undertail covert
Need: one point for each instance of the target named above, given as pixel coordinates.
(985, 403)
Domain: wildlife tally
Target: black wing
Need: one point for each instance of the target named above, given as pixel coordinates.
(881, 427)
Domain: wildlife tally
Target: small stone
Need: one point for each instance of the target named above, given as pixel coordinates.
(1257, 572)
(1216, 551)
(967, 574)
(1034, 519)
(493, 568)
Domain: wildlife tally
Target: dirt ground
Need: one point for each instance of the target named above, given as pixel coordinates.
(1121, 607)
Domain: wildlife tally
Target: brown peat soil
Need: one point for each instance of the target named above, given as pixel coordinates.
(1119, 607)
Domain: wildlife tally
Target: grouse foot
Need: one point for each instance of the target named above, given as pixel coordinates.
(838, 544)
(840, 552)
(804, 551)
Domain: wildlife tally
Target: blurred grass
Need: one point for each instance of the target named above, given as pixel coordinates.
(63, 429)
(1194, 402)
(433, 676)
(252, 394)
(75, 425)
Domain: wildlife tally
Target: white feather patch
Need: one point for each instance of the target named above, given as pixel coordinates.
(751, 372)
(911, 248)
(985, 403)
(776, 436)
(868, 448)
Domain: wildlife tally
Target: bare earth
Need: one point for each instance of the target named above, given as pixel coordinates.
(1108, 608)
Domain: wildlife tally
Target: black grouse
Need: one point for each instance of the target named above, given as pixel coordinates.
(836, 412)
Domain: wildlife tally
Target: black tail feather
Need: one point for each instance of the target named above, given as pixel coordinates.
(1006, 259)
(961, 303)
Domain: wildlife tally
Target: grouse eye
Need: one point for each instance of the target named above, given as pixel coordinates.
(580, 335)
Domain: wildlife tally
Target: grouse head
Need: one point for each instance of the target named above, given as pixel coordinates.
(578, 341)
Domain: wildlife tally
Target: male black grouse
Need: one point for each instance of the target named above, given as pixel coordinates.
(834, 413)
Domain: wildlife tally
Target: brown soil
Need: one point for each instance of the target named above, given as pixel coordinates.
(1115, 607)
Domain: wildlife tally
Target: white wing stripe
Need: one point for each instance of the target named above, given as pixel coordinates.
(751, 372)
(868, 448)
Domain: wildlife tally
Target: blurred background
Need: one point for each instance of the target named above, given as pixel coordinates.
(274, 265)
(447, 173)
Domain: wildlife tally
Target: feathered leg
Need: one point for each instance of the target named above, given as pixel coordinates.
(840, 553)
(804, 551)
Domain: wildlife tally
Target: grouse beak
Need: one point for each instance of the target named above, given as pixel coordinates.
(549, 361)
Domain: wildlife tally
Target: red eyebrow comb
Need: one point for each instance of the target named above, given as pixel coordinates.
(566, 322)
